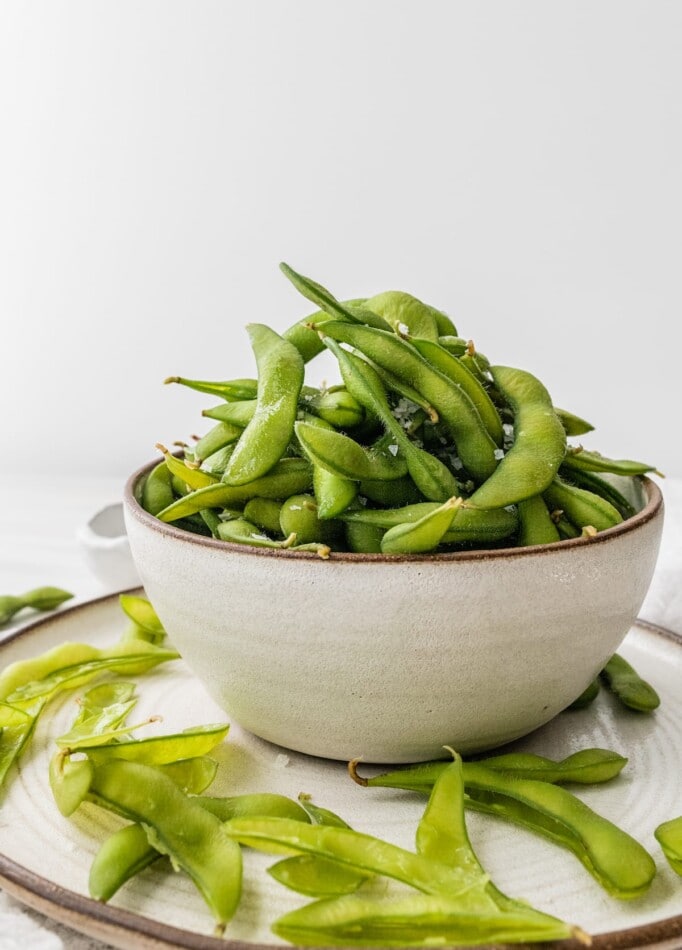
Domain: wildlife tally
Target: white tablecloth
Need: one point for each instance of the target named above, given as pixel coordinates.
(38, 545)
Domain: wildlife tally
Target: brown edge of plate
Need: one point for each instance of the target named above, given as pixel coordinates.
(116, 925)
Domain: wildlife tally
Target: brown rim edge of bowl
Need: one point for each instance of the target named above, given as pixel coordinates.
(652, 507)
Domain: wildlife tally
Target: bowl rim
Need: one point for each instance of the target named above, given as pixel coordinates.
(654, 505)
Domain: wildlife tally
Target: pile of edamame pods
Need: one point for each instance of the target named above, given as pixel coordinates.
(424, 446)
(157, 787)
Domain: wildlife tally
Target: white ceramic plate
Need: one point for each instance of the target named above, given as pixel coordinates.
(44, 858)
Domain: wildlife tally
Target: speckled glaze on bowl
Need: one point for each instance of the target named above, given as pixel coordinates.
(391, 658)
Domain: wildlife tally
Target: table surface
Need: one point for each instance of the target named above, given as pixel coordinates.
(39, 545)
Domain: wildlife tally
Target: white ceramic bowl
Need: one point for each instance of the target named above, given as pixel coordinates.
(391, 658)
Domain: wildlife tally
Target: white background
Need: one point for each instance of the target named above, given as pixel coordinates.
(514, 163)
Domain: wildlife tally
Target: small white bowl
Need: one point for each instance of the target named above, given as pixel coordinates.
(391, 658)
(106, 548)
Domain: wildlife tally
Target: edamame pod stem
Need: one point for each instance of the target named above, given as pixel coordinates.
(288, 476)
(177, 826)
(266, 437)
(474, 444)
(539, 443)
(626, 683)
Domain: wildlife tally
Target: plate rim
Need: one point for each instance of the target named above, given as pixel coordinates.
(105, 921)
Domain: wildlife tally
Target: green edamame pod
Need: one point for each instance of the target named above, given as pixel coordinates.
(394, 494)
(316, 877)
(363, 538)
(620, 864)
(585, 767)
(179, 827)
(338, 408)
(475, 446)
(573, 425)
(422, 535)
(579, 458)
(587, 697)
(430, 475)
(241, 531)
(305, 339)
(40, 598)
(70, 781)
(626, 683)
(157, 491)
(598, 485)
(342, 456)
(333, 493)
(456, 370)
(288, 476)
(266, 437)
(669, 836)
(539, 443)
(328, 303)
(264, 513)
(159, 750)
(217, 463)
(141, 611)
(233, 413)
(405, 314)
(123, 855)
(298, 515)
(220, 435)
(535, 522)
(581, 507)
(231, 389)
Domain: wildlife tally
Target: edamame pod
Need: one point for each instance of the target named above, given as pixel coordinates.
(288, 476)
(539, 443)
(433, 479)
(580, 506)
(342, 456)
(280, 378)
(179, 827)
(474, 444)
(626, 683)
